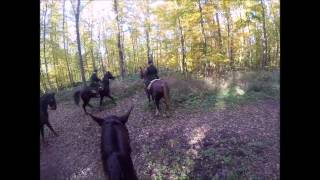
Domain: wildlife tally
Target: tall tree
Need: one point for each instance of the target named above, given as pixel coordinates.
(65, 45)
(228, 16)
(99, 52)
(183, 49)
(44, 43)
(120, 45)
(265, 57)
(148, 27)
(92, 47)
(202, 28)
(77, 16)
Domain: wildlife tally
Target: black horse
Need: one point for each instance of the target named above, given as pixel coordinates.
(115, 147)
(88, 92)
(45, 101)
(105, 91)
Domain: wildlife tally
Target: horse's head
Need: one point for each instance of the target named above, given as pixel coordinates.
(52, 101)
(122, 119)
(108, 75)
(115, 138)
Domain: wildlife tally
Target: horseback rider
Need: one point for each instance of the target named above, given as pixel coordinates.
(151, 72)
(95, 80)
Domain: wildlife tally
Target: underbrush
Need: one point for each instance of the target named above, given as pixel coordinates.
(232, 89)
(119, 89)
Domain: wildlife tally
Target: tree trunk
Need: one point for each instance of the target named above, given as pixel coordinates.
(79, 45)
(91, 49)
(219, 32)
(277, 59)
(44, 46)
(265, 57)
(182, 42)
(133, 50)
(42, 80)
(202, 29)
(54, 47)
(230, 40)
(120, 47)
(101, 57)
(147, 24)
(64, 45)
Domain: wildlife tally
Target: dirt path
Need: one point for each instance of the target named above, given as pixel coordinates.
(235, 143)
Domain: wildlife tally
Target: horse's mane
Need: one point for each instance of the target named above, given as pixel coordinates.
(43, 100)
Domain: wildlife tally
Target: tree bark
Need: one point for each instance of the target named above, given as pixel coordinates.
(219, 30)
(230, 39)
(119, 44)
(265, 57)
(64, 45)
(44, 45)
(202, 29)
(133, 49)
(147, 24)
(42, 80)
(91, 49)
(101, 57)
(182, 42)
(83, 77)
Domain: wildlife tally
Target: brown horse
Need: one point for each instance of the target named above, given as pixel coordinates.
(158, 89)
(88, 92)
(115, 147)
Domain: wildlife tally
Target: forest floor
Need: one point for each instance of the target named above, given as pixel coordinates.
(234, 142)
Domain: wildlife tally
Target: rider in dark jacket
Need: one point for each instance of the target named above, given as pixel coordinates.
(94, 79)
(151, 72)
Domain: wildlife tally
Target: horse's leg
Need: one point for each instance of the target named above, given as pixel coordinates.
(84, 106)
(157, 102)
(148, 94)
(42, 133)
(50, 127)
(101, 99)
(89, 104)
(167, 105)
(109, 96)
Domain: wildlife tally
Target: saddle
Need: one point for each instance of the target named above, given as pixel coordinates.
(149, 86)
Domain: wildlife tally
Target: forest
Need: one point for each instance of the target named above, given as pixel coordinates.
(202, 37)
(214, 111)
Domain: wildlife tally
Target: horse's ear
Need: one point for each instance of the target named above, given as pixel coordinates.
(96, 119)
(124, 118)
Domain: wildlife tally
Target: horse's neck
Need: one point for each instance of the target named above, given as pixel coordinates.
(43, 105)
(105, 82)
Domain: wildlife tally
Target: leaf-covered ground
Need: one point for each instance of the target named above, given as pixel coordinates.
(239, 142)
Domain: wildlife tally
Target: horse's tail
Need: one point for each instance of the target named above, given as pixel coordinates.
(166, 93)
(76, 97)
